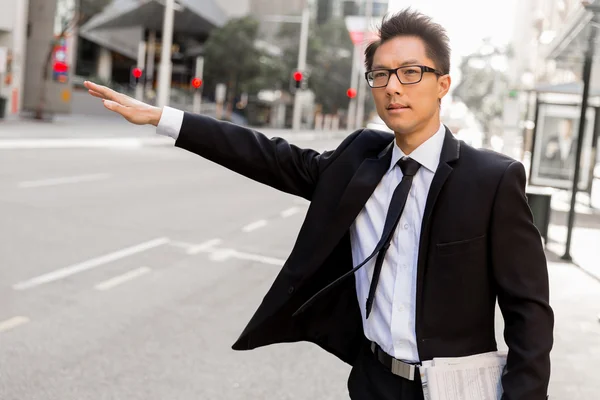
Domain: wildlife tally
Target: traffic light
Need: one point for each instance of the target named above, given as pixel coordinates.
(196, 83)
(136, 74)
(298, 79)
(351, 93)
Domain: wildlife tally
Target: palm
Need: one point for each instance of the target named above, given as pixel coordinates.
(132, 110)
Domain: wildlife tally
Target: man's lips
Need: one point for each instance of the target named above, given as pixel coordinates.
(396, 106)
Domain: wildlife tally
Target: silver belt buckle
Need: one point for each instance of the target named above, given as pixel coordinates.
(407, 371)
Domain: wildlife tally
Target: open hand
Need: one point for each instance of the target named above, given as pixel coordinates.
(132, 110)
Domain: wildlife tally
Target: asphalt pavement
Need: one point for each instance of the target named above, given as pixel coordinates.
(128, 269)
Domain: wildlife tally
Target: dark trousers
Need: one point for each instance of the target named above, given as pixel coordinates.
(370, 380)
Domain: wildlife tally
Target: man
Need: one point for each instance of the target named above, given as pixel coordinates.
(558, 156)
(407, 243)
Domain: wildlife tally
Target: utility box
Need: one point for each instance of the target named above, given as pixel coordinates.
(540, 201)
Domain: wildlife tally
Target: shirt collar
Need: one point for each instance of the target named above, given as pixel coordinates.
(427, 154)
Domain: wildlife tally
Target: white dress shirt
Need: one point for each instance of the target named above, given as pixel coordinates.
(391, 323)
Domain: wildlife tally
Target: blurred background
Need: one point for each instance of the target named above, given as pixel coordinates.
(90, 204)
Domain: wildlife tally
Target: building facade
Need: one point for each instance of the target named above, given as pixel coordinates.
(13, 36)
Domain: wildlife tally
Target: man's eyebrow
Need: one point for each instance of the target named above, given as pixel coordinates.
(407, 62)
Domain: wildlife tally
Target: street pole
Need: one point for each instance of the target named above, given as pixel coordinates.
(19, 55)
(587, 72)
(150, 60)
(362, 87)
(164, 74)
(197, 93)
(353, 84)
(141, 64)
(297, 114)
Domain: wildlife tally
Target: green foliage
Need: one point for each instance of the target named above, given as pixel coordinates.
(232, 58)
(329, 62)
(482, 88)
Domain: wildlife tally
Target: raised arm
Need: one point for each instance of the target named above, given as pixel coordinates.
(274, 162)
(521, 273)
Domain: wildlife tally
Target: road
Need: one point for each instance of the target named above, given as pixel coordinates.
(130, 267)
(129, 273)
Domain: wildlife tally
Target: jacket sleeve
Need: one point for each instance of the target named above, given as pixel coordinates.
(274, 162)
(521, 274)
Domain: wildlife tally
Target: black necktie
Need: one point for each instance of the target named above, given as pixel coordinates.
(409, 168)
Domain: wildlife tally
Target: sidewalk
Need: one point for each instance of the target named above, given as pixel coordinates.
(575, 299)
(585, 242)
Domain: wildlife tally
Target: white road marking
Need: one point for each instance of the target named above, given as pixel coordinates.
(118, 280)
(182, 245)
(12, 323)
(225, 254)
(289, 212)
(221, 254)
(206, 246)
(63, 180)
(255, 225)
(89, 264)
(76, 143)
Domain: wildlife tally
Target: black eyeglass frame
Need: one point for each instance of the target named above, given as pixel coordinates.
(423, 68)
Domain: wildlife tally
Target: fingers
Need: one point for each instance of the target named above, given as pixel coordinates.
(105, 92)
(116, 107)
(96, 94)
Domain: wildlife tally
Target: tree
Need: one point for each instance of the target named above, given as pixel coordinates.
(484, 85)
(329, 61)
(232, 57)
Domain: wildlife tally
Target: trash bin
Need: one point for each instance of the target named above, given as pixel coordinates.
(3, 102)
(540, 200)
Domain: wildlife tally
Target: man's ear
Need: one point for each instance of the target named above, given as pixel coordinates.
(444, 83)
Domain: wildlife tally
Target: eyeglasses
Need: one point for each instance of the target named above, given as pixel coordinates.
(407, 75)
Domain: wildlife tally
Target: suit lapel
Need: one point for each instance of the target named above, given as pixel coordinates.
(450, 153)
(359, 189)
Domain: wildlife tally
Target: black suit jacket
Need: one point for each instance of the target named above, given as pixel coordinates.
(478, 244)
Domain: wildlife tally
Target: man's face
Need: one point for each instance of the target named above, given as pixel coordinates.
(408, 108)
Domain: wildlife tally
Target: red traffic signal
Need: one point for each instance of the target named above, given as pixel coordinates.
(297, 76)
(137, 73)
(196, 83)
(351, 93)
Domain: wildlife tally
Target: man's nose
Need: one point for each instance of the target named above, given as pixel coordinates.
(394, 86)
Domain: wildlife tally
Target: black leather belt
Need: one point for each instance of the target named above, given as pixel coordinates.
(397, 367)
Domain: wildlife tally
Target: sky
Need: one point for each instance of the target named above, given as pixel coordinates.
(467, 21)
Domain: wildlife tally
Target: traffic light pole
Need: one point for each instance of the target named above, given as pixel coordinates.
(353, 83)
(164, 73)
(197, 93)
(141, 64)
(362, 87)
(297, 114)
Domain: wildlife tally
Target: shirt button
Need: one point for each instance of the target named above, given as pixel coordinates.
(401, 308)
(406, 226)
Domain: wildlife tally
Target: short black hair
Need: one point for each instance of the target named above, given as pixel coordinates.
(413, 23)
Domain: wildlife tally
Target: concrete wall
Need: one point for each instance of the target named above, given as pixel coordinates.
(7, 16)
(13, 17)
(41, 20)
